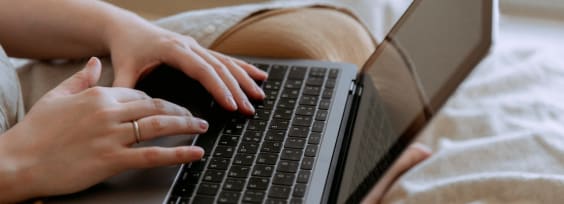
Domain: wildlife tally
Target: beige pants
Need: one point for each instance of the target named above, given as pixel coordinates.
(304, 33)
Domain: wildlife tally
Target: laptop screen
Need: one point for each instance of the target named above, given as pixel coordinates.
(424, 58)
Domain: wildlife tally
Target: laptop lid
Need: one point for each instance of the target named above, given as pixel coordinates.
(421, 62)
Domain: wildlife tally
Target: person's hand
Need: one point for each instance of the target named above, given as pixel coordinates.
(412, 156)
(78, 135)
(138, 47)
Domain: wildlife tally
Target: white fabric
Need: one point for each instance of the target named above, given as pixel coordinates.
(11, 104)
(500, 139)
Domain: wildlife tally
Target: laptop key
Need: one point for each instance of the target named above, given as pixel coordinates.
(291, 154)
(214, 176)
(295, 142)
(272, 86)
(203, 199)
(279, 124)
(298, 131)
(284, 179)
(308, 100)
(252, 196)
(302, 120)
(191, 177)
(219, 163)
(317, 72)
(267, 158)
(249, 148)
(271, 146)
(310, 151)
(258, 183)
(229, 140)
(275, 135)
(228, 197)
(257, 125)
(288, 166)
(327, 93)
(297, 72)
(305, 110)
(252, 136)
(314, 81)
(333, 73)
(303, 176)
(184, 190)
(293, 84)
(244, 159)
(312, 90)
(224, 151)
(296, 201)
(324, 104)
(277, 191)
(287, 103)
(233, 184)
(307, 163)
(330, 83)
(283, 113)
(263, 170)
(318, 126)
(262, 114)
(299, 190)
(277, 72)
(239, 171)
(208, 189)
(275, 201)
(314, 138)
(321, 115)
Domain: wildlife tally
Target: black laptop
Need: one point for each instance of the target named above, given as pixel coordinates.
(326, 131)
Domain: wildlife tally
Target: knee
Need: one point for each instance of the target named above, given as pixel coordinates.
(308, 33)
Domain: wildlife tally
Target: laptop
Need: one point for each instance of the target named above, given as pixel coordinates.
(326, 132)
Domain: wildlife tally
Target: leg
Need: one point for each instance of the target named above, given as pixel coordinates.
(304, 33)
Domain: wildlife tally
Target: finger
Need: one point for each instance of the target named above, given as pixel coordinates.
(124, 95)
(255, 73)
(245, 81)
(81, 80)
(196, 67)
(148, 157)
(412, 156)
(163, 125)
(143, 108)
(242, 101)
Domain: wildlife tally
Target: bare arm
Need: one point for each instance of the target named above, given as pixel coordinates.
(45, 29)
(59, 28)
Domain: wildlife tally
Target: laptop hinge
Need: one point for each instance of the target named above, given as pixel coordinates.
(342, 145)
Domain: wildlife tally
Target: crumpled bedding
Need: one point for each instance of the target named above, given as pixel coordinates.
(500, 138)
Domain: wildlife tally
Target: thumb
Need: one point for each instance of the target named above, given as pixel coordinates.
(81, 80)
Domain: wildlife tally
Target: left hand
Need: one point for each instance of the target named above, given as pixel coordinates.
(412, 156)
(137, 48)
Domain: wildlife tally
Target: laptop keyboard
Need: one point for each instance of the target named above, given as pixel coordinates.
(269, 157)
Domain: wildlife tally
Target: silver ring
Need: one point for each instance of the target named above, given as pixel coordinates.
(136, 131)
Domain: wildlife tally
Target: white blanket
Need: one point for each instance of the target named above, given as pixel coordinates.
(500, 139)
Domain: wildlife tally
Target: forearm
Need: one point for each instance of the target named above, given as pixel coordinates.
(46, 29)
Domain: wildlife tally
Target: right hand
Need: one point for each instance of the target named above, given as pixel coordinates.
(78, 135)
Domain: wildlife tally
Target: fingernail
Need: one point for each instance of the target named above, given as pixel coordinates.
(260, 91)
(93, 61)
(200, 149)
(231, 101)
(203, 124)
(249, 106)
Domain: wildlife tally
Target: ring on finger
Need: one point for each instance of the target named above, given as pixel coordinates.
(136, 131)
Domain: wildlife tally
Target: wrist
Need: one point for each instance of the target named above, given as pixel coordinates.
(120, 25)
(17, 181)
